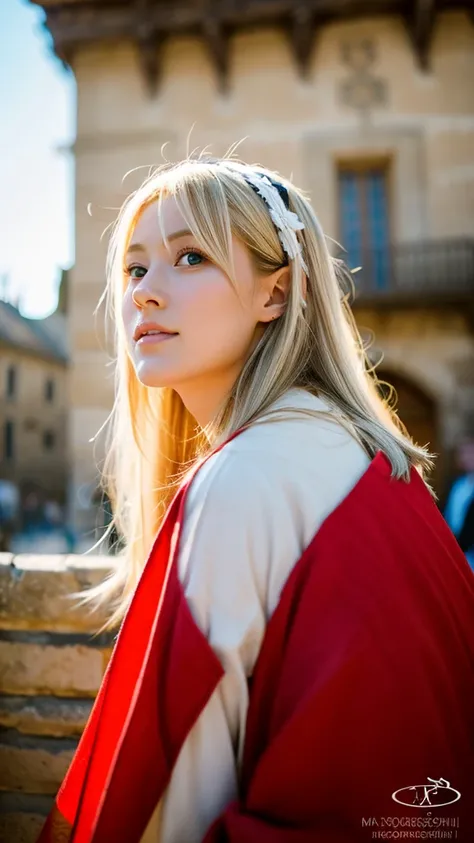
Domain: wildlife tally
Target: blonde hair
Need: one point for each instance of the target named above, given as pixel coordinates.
(152, 438)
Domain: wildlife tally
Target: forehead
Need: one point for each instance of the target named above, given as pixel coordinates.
(148, 226)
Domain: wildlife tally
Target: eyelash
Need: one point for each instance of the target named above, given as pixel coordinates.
(128, 269)
(186, 250)
(190, 250)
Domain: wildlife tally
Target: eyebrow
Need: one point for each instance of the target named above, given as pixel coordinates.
(183, 232)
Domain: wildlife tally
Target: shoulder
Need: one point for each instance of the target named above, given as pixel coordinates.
(258, 502)
(229, 512)
(303, 446)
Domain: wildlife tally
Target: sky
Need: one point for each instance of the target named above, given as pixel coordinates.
(37, 101)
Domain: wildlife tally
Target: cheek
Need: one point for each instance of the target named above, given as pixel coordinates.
(126, 309)
(217, 320)
(128, 314)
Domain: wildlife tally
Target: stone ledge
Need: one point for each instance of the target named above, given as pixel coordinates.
(27, 668)
(35, 591)
(59, 717)
(34, 765)
(55, 561)
(58, 639)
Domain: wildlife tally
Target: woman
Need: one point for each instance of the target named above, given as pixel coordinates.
(297, 640)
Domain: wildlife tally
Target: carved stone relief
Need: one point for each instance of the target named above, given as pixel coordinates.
(362, 90)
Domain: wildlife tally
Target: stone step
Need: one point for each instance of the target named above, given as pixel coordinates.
(44, 715)
(51, 665)
(35, 591)
(22, 816)
(33, 763)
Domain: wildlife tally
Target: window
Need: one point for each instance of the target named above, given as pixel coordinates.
(49, 390)
(49, 440)
(9, 440)
(364, 221)
(11, 382)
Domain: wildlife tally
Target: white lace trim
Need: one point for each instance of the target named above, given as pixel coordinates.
(286, 221)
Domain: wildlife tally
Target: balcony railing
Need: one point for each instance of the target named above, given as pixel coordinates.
(437, 269)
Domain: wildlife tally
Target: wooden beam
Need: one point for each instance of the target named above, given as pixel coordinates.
(102, 20)
(75, 23)
(302, 35)
(216, 38)
(148, 41)
(421, 23)
(149, 59)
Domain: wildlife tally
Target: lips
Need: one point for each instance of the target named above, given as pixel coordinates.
(155, 334)
(143, 328)
(153, 339)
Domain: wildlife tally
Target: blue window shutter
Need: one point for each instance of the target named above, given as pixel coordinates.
(364, 224)
(378, 227)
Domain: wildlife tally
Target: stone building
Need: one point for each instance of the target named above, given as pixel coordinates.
(368, 106)
(34, 400)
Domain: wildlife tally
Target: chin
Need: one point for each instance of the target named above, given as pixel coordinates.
(152, 374)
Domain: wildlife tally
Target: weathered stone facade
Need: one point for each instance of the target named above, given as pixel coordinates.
(34, 397)
(365, 95)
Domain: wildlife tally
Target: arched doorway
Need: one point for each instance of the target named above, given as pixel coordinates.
(417, 411)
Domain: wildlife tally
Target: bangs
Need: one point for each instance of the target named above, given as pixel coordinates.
(201, 199)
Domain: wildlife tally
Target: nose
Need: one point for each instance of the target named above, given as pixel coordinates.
(148, 290)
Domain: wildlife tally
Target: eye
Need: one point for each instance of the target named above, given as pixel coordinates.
(135, 271)
(195, 258)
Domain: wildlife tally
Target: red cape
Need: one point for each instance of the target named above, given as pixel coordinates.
(362, 694)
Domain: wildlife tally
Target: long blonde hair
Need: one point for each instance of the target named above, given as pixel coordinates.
(152, 440)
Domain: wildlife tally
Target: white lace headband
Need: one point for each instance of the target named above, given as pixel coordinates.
(285, 221)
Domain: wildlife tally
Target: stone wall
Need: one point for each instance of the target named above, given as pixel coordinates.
(51, 667)
(421, 123)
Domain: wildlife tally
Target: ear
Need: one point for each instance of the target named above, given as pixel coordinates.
(275, 291)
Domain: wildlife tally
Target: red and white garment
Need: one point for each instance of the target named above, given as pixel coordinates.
(299, 648)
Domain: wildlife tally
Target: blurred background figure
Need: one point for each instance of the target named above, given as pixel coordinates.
(459, 510)
(9, 513)
(53, 514)
(31, 513)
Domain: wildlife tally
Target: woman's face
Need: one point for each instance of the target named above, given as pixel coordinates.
(213, 329)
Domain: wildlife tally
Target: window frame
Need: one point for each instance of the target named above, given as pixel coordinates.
(49, 381)
(9, 424)
(366, 163)
(12, 368)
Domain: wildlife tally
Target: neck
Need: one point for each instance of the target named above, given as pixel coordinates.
(205, 399)
(206, 396)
